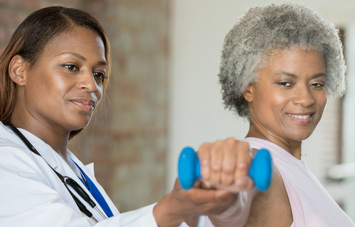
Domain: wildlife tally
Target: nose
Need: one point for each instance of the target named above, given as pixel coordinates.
(87, 82)
(303, 96)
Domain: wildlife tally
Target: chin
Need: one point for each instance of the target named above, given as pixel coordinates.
(300, 137)
(78, 125)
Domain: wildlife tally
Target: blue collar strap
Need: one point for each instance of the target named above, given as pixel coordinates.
(96, 193)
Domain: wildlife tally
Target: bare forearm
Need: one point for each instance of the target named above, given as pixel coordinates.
(166, 214)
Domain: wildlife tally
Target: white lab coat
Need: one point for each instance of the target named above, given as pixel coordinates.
(31, 194)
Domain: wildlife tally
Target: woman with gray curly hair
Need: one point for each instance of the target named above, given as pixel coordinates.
(263, 30)
(279, 64)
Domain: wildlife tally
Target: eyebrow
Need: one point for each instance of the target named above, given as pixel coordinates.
(82, 57)
(295, 76)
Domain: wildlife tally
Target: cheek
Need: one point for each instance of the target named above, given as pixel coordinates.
(269, 106)
(279, 100)
(39, 84)
(61, 84)
(270, 100)
(322, 101)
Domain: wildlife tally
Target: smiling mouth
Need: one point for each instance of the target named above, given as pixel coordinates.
(303, 119)
(300, 116)
(86, 105)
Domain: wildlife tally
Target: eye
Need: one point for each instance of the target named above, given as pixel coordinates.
(71, 67)
(317, 85)
(99, 77)
(285, 84)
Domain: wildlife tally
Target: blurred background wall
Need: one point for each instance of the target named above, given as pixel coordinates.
(127, 139)
(196, 113)
(164, 92)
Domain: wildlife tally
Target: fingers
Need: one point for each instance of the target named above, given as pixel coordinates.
(226, 162)
(243, 163)
(216, 162)
(198, 201)
(230, 162)
(212, 201)
(201, 200)
(200, 197)
(211, 160)
(205, 156)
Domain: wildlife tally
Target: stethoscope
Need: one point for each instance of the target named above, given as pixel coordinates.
(67, 181)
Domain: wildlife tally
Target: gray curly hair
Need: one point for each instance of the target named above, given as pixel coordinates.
(276, 27)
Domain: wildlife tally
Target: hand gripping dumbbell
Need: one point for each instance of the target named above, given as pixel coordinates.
(189, 169)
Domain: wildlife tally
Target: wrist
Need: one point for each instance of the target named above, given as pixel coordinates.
(237, 213)
(166, 212)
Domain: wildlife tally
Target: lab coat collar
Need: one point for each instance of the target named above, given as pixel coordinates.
(54, 160)
(8, 135)
(50, 157)
(89, 170)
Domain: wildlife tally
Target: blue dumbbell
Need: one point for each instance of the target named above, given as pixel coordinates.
(189, 169)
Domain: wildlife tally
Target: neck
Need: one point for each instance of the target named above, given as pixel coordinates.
(293, 147)
(57, 141)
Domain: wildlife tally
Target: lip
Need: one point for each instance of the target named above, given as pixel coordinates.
(301, 118)
(87, 105)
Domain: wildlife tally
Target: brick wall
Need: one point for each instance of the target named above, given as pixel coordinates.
(127, 137)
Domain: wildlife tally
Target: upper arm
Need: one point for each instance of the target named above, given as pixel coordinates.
(272, 207)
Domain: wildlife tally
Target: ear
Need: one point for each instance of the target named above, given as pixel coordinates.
(249, 92)
(16, 70)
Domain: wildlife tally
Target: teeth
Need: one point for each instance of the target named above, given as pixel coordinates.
(299, 116)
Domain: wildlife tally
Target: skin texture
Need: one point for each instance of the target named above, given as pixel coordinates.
(276, 26)
(223, 162)
(290, 82)
(59, 92)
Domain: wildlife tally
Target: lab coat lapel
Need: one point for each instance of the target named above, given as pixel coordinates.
(49, 156)
(64, 169)
(57, 163)
(89, 170)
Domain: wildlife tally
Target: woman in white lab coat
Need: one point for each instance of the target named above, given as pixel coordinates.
(53, 74)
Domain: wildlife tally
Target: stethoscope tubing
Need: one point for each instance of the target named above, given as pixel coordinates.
(65, 179)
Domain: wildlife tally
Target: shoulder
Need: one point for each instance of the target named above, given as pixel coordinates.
(10, 150)
(278, 206)
(15, 157)
(9, 140)
(14, 154)
(16, 161)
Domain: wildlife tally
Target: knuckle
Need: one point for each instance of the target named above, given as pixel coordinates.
(242, 166)
(232, 143)
(231, 140)
(217, 144)
(227, 179)
(216, 166)
(205, 146)
(228, 166)
(244, 145)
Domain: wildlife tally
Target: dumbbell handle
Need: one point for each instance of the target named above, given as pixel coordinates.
(189, 169)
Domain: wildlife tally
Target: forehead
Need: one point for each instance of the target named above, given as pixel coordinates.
(295, 58)
(78, 39)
